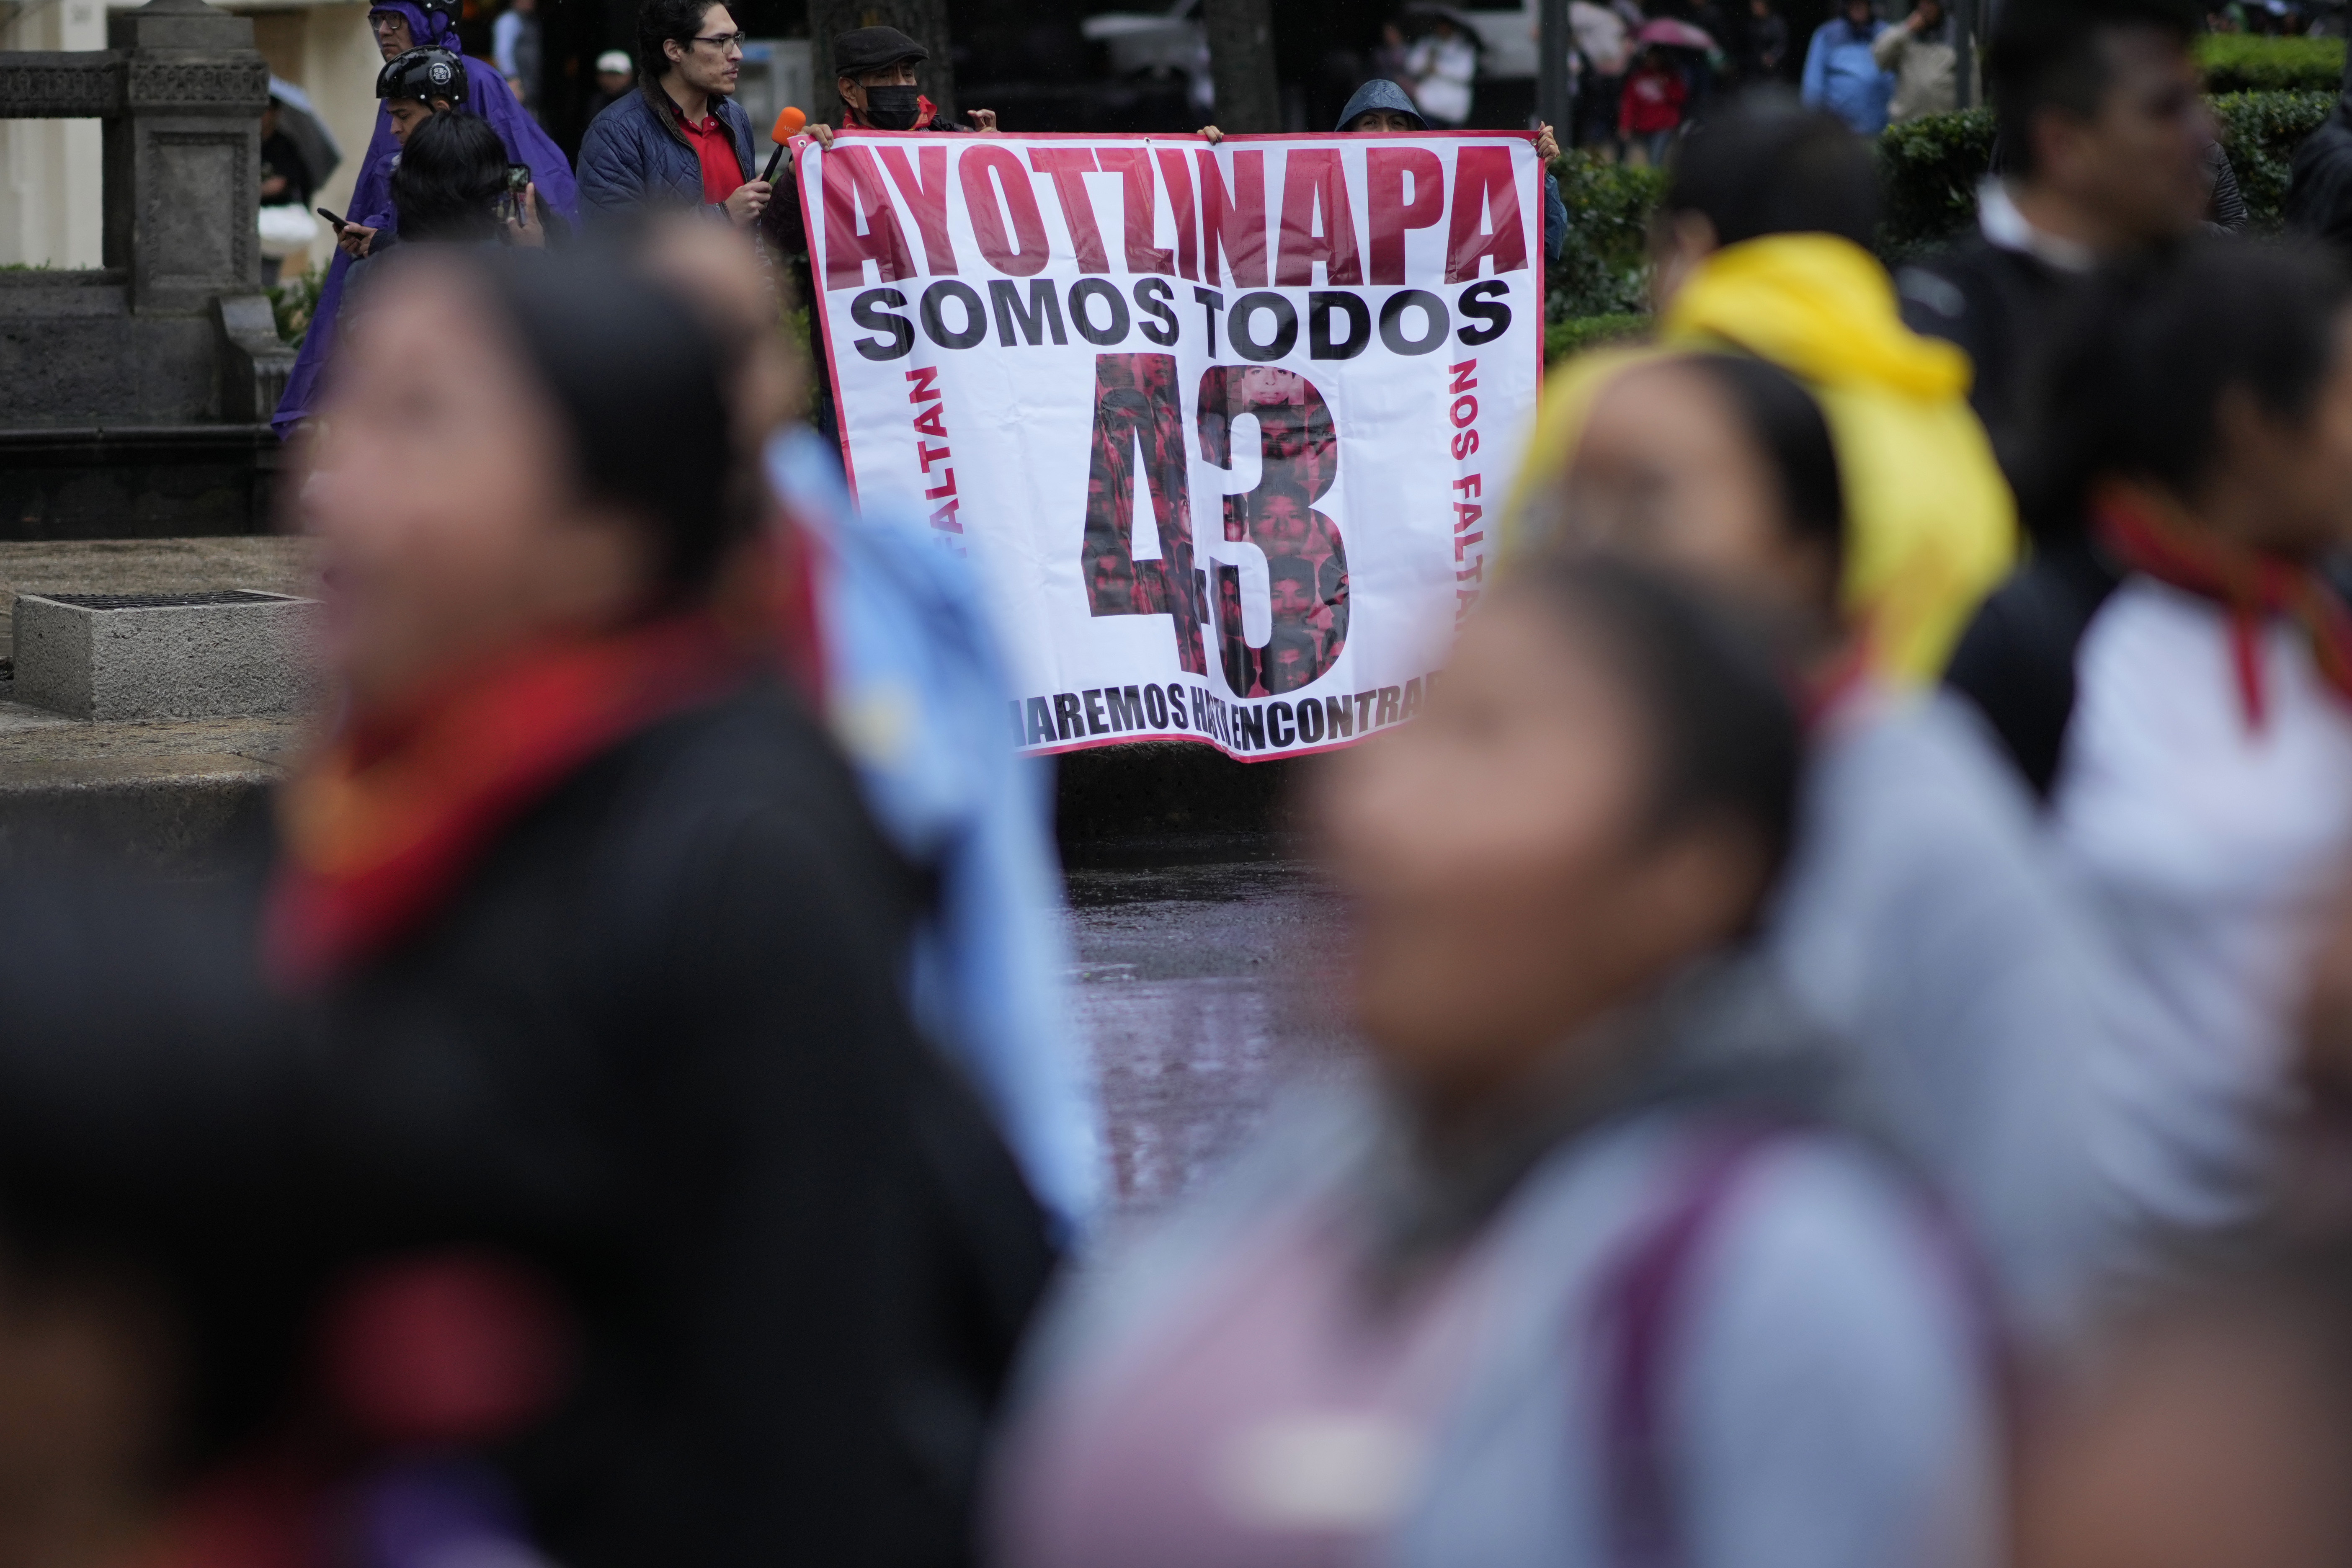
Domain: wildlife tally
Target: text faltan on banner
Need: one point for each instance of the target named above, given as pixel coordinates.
(1218, 428)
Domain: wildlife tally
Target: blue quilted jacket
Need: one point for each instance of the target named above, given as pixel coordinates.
(636, 156)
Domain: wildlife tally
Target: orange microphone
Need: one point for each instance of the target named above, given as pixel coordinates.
(788, 121)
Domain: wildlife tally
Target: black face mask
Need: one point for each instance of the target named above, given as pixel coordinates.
(892, 107)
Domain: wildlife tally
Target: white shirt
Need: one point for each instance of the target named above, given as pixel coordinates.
(2006, 226)
(2210, 845)
(1442, 69)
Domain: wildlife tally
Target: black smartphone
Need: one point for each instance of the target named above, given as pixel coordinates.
(510, 202)
(341, 223)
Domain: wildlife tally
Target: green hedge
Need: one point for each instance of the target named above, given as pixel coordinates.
(1933, 166)
(1563, 340)
(2261, 130)
(2242, 62)
(292, 301)
(1605, 270)
(1932, 169)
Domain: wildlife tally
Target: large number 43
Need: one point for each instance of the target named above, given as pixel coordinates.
(1136, 407)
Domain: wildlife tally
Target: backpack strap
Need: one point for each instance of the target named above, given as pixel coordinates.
(1642, 1300)
(1645, 1297)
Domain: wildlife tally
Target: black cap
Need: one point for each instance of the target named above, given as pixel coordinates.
(863, 49)
(424, 75)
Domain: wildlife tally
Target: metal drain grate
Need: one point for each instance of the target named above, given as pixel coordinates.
(165, 601)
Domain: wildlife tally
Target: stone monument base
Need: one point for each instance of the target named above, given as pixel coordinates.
(178, 797)
(137, 482)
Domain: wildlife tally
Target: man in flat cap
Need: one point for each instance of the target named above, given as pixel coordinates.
(877, 84)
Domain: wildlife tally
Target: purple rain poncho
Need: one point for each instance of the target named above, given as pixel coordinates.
(488, 96)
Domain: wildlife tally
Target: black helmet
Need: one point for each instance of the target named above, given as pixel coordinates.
(424, 75)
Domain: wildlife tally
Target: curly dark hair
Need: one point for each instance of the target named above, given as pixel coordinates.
(659, 21)
(449, 178)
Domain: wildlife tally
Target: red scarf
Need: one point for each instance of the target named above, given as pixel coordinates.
(2148, 534)
(1823, 693)
(381, 828)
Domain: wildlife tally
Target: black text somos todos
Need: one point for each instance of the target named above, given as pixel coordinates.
(1222, 249)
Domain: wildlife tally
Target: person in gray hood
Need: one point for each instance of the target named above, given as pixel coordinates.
(1579, 1272)
(1923, 918)
(1382, 106)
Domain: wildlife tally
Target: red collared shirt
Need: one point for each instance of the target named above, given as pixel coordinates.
(714, 145)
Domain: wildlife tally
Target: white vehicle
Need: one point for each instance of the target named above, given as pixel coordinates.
(1506, 36)
(1174, 40)
(1140, 41)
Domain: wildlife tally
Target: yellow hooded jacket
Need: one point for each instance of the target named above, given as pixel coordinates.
(1931, 523)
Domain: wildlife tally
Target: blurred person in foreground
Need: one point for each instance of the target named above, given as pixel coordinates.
(2216, 1432)
(892, 645)
(584, 952)
(2219, 1430)
(2104, 137)
(1572, 1272)
(2319, 187)
(2315, 1179)
(1920, 918)
(399, 27)
(2195, 732)
(1761, 245)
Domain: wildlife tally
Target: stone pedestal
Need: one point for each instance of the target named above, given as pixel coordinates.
(145, 656)
(174, 329)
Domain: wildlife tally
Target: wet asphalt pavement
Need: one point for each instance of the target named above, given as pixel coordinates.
(1203, 989)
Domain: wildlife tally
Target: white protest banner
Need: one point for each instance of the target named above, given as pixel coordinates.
(1219, 428)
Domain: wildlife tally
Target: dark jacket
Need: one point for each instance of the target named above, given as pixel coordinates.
(635, 155)
(2004, 308)
(2319, 190)
(2016, 660)
(653, 1047)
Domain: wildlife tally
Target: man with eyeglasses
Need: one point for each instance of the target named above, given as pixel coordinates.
(680, 141)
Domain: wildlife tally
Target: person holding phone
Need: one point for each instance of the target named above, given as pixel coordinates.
(453, 186)
(413, 86)
(401, 27)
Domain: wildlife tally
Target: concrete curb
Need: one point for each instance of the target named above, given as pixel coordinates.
(177, 815)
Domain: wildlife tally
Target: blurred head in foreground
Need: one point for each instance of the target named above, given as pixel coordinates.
(2217, 1434)
(2315, 1196)
(1762, 166)
(1415, 1322)
(490, 482)
(718, 272)
(2217, 386)
(1634, 768)
(1719, 466)
(2103, 130)
(1762, 243)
